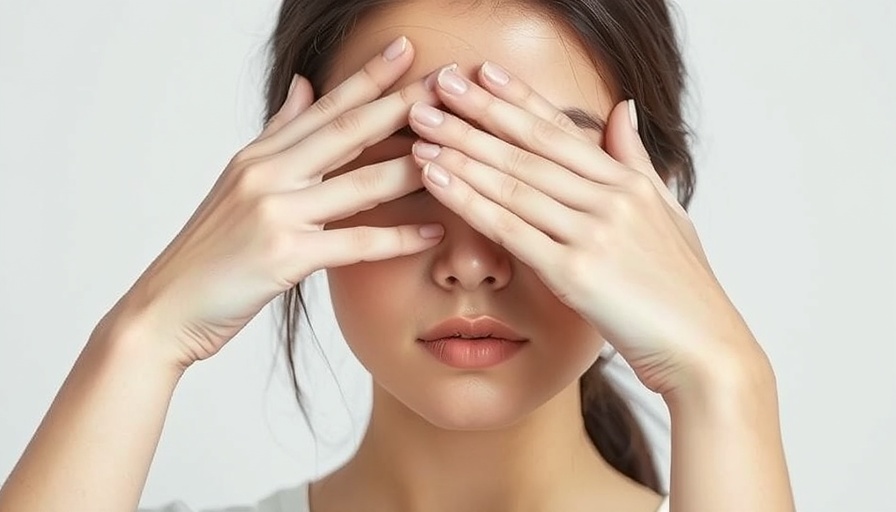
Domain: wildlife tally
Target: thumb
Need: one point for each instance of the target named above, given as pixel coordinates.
(622, 140)
(298, 99)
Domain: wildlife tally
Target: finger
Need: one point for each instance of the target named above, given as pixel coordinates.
(367, 84)
(359, 190)
(298, 98)
(531, 245)
(347, 246)
(533, 206)
(526, 130)
(344, 138)
(557, 182)
(623, 143)
(503, 85)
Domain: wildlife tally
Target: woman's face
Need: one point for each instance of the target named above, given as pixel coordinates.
(384, 307)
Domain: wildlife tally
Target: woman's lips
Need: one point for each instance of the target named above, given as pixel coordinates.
(467, 353)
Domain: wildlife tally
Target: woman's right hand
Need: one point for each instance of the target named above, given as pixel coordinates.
(260, 229)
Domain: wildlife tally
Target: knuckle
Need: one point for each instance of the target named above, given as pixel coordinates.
(253, 179)
(527, 96)
(510, 191)
(467, 134)
(244, 156)
(363, 238)
(505, 227)
(365, 180)
(563, 121)
(621, 207)
(347, 123)
(542, 133)
(407, 96)
(268, 210)
(371, 79)
(517, 161)
(328, 104)
(640, 184)
(458, 162)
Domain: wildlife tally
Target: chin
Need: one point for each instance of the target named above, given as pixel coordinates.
(471, 404)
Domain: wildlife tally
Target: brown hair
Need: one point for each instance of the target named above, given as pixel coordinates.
(634, 44)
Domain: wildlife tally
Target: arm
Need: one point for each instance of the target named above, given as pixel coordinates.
(94, 447)
(727, 453)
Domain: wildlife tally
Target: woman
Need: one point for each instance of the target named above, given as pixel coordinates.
(479, 294)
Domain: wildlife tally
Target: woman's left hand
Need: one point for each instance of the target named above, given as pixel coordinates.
(599, 227)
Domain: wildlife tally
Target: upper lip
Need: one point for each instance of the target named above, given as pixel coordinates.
(480, 327)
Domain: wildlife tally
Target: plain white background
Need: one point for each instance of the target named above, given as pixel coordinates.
(117, 116)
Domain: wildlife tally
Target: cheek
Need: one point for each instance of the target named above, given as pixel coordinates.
(371, 304)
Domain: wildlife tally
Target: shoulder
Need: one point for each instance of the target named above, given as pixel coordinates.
(292, 499)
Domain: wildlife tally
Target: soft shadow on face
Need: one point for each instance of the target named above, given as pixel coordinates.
(383, 307)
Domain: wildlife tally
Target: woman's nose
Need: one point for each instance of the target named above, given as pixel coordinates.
(468, 259)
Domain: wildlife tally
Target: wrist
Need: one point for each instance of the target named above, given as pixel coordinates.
(729, 383)
(129, 333)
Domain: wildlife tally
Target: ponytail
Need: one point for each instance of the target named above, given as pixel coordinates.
(613, 429)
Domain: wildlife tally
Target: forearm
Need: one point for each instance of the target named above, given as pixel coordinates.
(727, 453)
(94, 447)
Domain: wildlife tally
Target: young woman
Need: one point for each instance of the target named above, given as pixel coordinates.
(479, 293)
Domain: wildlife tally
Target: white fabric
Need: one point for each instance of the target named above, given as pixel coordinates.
(286, 500)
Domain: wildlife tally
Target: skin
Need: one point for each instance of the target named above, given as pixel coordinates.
(504, 438)
(587, 214)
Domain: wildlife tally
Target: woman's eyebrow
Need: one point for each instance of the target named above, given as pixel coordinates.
(584, 120)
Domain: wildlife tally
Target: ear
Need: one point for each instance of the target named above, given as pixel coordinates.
(622, 140)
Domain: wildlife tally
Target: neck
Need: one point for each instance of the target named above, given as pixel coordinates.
(543, 462)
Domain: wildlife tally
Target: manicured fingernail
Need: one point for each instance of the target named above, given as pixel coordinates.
(495, 74)
(451, 82)
(292, 85)
(426, 151)
(432, 231)
(436, 174)
(430, 81)
(396, 49)
(633, 114)
(426, 115)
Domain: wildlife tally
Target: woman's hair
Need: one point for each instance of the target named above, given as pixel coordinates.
(633, 44)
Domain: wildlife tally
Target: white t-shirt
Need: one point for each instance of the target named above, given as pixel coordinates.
(286, 500)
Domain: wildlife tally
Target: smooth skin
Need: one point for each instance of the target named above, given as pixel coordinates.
(620, 250)
(257, 233)
(567, 233)
(266, 210)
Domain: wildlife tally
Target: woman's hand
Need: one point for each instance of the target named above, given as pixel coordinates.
(260, 229)
(600, 228)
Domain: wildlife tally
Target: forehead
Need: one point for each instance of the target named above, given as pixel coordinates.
(529, 44)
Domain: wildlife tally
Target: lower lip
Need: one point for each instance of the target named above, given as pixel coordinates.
(472, 354)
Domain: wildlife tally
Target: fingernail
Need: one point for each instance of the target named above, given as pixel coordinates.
(452, 82)
(427, 115)
(292, 85)
(426, 151)
(430, 81)
(633, 114)
(436, 174)
(396, 49)
(432, 231)
(495, 74)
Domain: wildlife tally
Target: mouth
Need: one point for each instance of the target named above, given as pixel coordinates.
(483, 327)
(472, 343)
